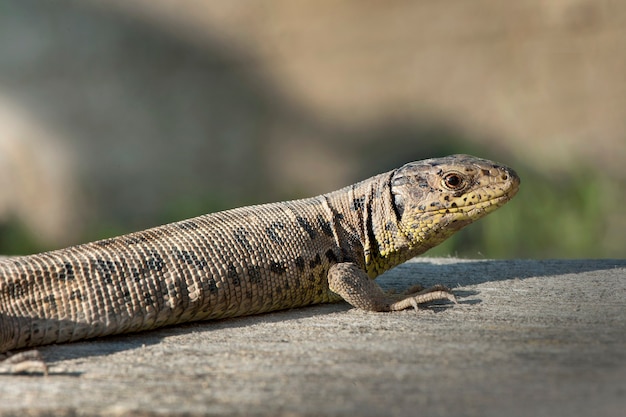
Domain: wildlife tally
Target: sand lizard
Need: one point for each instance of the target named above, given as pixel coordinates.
(253, 259)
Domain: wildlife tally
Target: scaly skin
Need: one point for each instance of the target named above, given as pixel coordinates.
(252, 259)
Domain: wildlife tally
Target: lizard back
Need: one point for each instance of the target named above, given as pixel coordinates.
(237, 262)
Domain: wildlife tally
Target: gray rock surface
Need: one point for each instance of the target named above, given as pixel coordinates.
(541, 338)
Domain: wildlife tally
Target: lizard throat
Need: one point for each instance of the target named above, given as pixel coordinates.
(397, 243)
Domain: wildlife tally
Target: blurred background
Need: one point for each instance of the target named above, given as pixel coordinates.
(117, 115)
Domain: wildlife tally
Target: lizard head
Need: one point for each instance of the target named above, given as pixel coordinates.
(434, 198)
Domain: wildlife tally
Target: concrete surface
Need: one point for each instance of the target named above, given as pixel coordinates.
(540, 338)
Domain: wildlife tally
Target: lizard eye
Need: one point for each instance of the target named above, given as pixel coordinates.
(453, 181)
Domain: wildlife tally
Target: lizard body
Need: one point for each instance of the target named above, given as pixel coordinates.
(250, 260)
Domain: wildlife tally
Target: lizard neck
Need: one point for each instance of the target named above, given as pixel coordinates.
(369, 227)
(386, 243)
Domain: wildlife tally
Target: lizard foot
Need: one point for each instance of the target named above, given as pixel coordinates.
(354, 286)
(29, 361)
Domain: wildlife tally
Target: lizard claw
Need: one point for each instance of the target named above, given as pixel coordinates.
(435, 293)
(29, 361)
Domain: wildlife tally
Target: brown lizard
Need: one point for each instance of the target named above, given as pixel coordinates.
(253, 259)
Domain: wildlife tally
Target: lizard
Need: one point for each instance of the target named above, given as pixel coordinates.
(253, 259)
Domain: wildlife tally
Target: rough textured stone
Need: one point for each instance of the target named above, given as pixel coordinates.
(527, 338)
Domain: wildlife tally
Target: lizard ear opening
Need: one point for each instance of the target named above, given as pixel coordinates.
(397, 183)
(408, 184)
(398, 205)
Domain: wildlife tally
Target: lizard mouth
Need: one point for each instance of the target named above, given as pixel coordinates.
(494, 202)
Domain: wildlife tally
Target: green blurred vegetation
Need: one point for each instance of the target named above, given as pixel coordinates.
(573, 214)
(16, 239)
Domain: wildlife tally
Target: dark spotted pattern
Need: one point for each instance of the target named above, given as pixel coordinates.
(49, 299)
(187, 225)
(315, 261)
(137, 239)
(241, 236)
(76, 295)
(15, 290)
(106, 269)
(254, 273)
(324, 225)
(300, 263)
(277, 267)
(274, 230)
(232, 275)
(358, 203)
(190, 258)
(155, 262)
(304, 223)
(212, 286)
(106, 242)
(67, 273)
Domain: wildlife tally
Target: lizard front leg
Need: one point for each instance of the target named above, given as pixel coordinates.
(353, 285)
